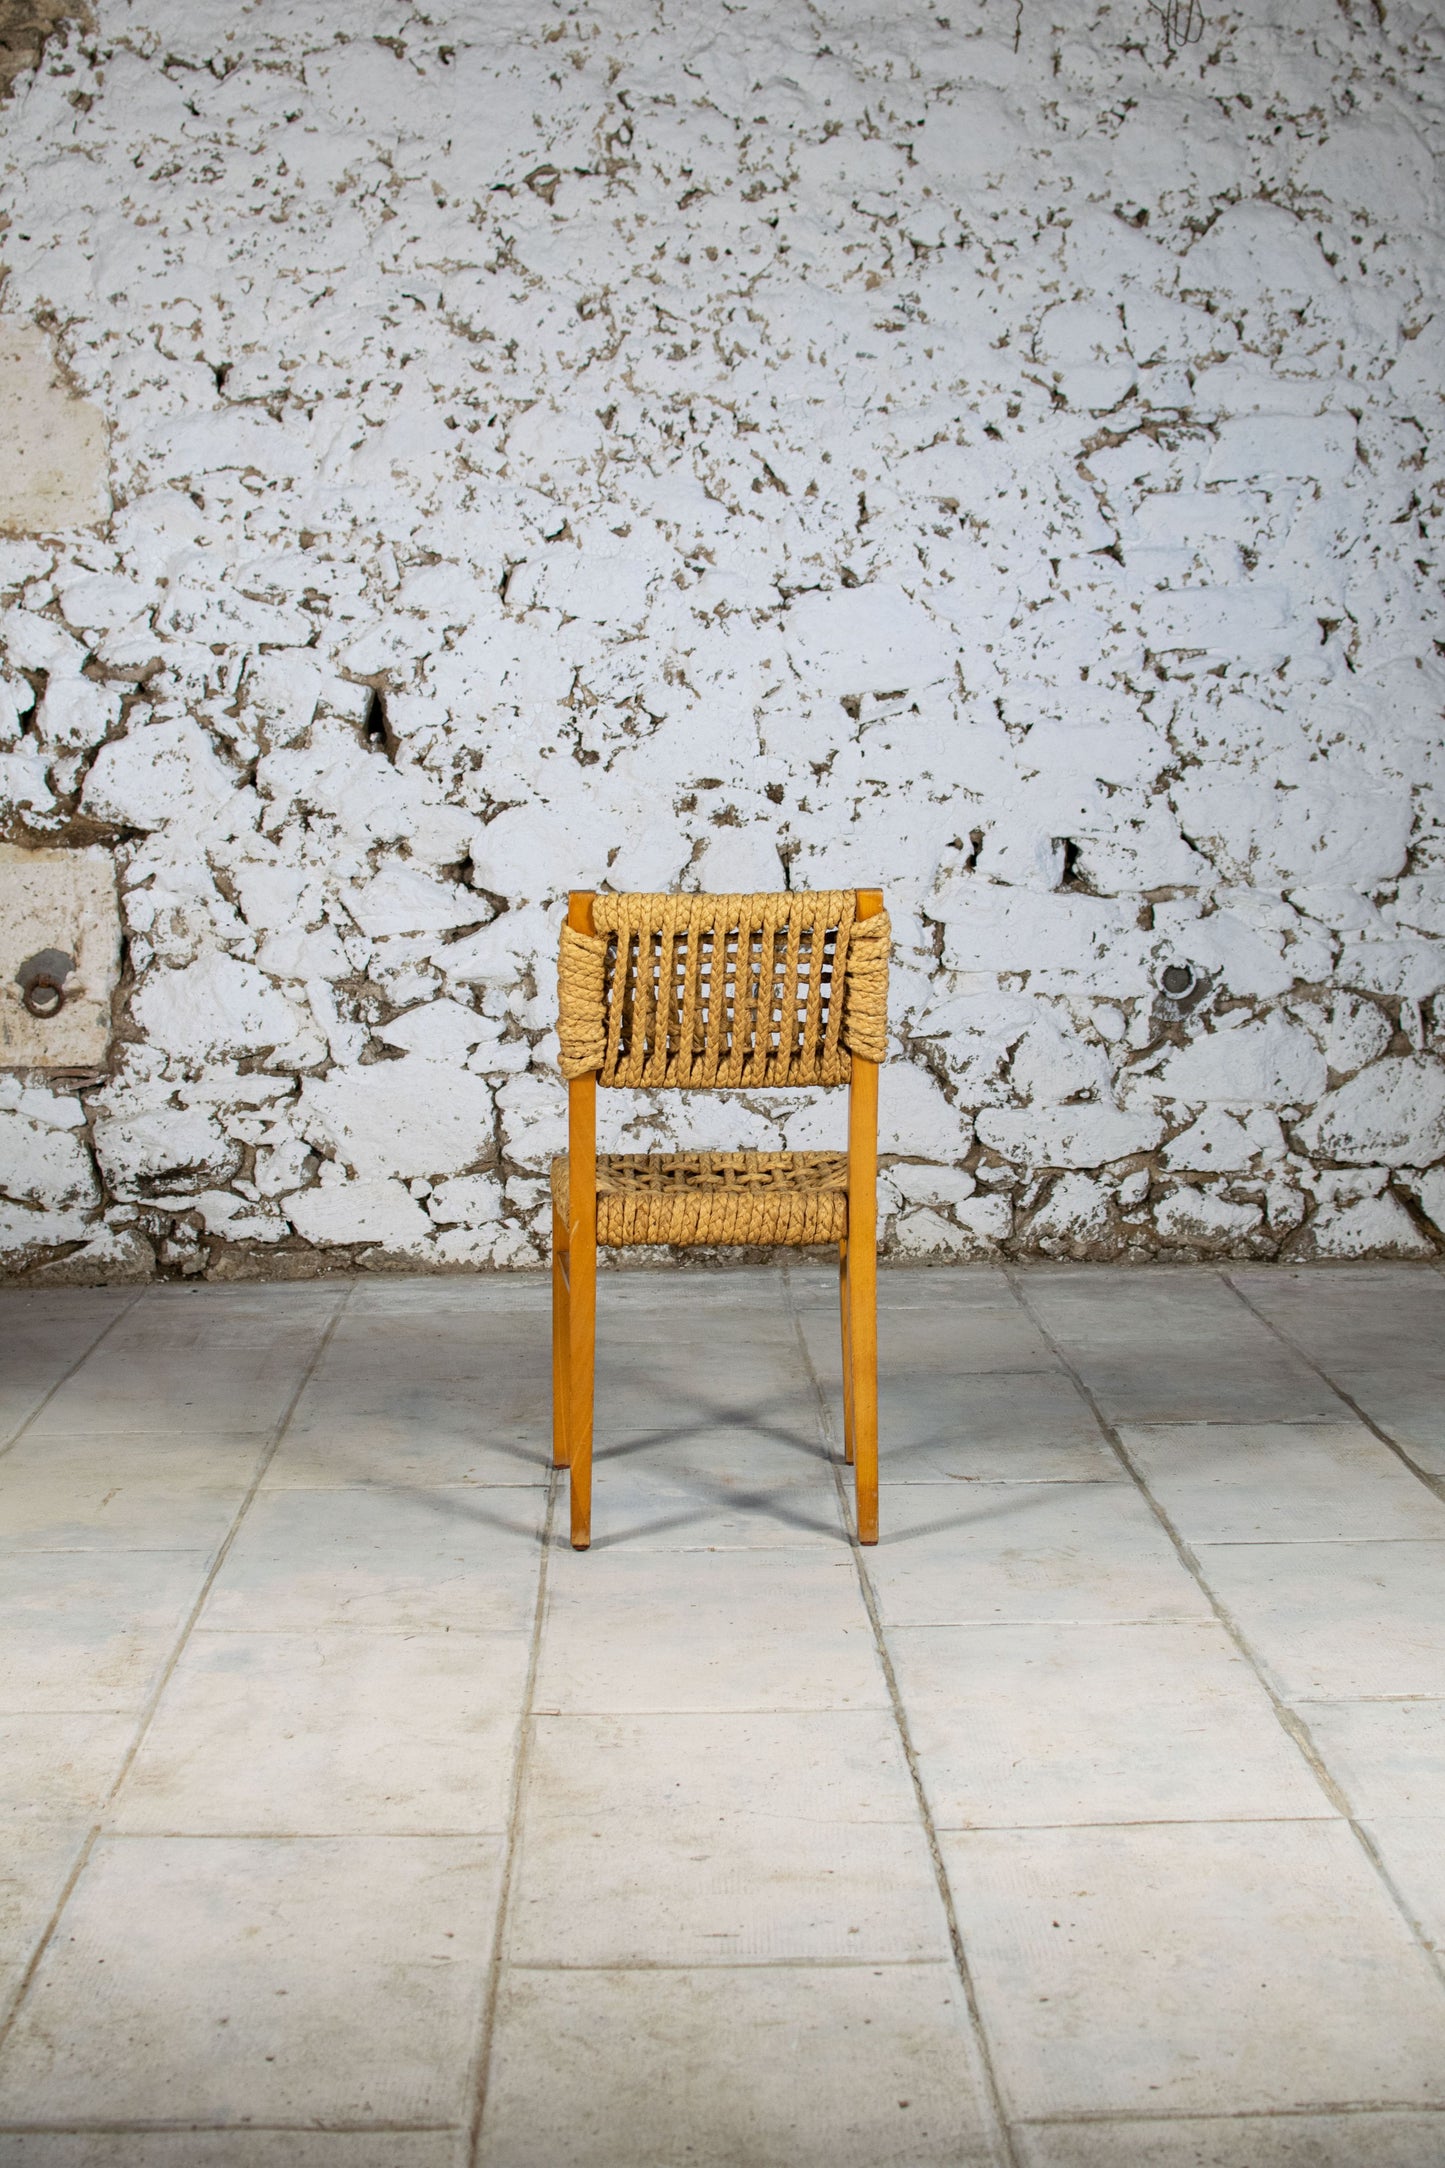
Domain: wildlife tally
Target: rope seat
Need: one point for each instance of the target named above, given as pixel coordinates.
(722, 1197)
(712, 992)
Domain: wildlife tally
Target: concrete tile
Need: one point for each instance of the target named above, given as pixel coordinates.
(331, 1734)
(1169, 1968)
(44, 1334)
(700, 1325)
(1409, 1407)
(1361, 2140)
(658, 1630)
(1412, 1847)
(1337, 1621)
(1355, 1317)
(719, 1839)
(674, 1405)
(767, 1443)
(524, 1294)
(90, 1630)
(985, 1426)
(1022, 1725)
(388, 1560)
(829, 2067)
(1174, 1346)
(626, 1285)
(949, 1556)
(441, 1339)
(1281, 1482)
(963, 1320)
(36, 1860)
(1388, 1757)
(642, 1506)
(219, 1980)
(55, 1774)
(57, 1766)
(202, 1359)
(1378, 1332)
(722, 1376)
(392, 1425)
(127, 1490)
(287, 2148)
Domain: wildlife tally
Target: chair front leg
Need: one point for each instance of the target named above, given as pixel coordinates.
(561, 1341)
(847, 1352)
(863, 1382)
(582, 1312)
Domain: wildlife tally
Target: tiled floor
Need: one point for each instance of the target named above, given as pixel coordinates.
(1094, 1820)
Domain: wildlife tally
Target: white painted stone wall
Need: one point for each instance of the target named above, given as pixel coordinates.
(965, 446)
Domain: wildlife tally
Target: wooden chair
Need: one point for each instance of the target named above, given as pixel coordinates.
(701, 993)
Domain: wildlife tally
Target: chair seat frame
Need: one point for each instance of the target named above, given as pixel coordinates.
(574, 1280)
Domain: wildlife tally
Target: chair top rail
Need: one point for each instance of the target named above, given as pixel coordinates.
(707, 992)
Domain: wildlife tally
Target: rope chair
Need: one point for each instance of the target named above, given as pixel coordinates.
(699, 993)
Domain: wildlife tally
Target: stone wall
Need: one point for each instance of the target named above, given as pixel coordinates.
(991, 452)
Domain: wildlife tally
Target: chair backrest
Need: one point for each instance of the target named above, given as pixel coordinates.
(701, 992)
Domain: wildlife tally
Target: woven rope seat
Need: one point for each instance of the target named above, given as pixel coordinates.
(721, 1197)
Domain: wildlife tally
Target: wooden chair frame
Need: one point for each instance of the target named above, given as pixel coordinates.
(574, 1282)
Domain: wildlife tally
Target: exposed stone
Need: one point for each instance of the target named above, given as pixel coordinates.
(1200, 1216)
(1223, 1143)
(59, 921)
(1073, 1217)
(1068, 1136)
(1392, 1114)
(377, 1211)
(1270, 1063)
(54, 470)
(1367, 1227)
(220, 1005)
(1430, 1189)
(408, 1117)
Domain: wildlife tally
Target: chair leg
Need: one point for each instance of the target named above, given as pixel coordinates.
(582, 1311)
(561, 1342)
(847, 1353)
(863, 1370)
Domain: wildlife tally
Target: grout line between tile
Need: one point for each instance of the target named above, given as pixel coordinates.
(98, 2127)
(1286, 1715)
(741, 1964)
(482, 2062)
(1145, 1821)
(1433, 1483)
(982, 2046)
(300, 1836)
(152, 1701)
(65, 1377)
(1284, 1543)
(1294, 2113)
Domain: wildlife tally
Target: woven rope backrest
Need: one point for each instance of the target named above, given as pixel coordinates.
(699, 992)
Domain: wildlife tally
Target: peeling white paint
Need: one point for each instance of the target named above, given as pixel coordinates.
(984, 455)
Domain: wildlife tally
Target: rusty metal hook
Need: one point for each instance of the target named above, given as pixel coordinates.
(43, 996)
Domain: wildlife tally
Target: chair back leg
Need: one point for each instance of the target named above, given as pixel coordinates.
(861, 1386)
(847, 1354)
(582, 1336)
(561, 1343)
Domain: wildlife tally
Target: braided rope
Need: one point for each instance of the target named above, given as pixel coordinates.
(715, 1197)
(865, 988)
(581, 995)
(702, 992)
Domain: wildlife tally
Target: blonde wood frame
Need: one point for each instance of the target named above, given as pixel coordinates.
(574, 1282)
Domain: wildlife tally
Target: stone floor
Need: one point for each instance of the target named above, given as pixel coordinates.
(1094, 1820)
